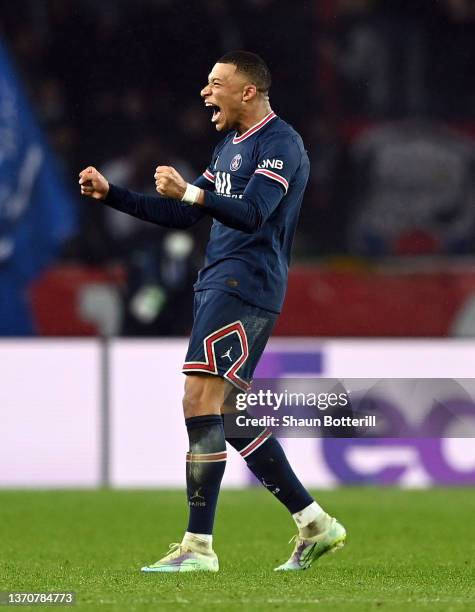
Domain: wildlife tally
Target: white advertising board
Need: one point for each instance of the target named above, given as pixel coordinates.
(50, 398)
(51, 403)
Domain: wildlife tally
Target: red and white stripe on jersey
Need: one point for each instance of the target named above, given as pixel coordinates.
(206, 457)
(252, 130)
(252, 446)
(207, 174)
(210, 365)
(274, 176)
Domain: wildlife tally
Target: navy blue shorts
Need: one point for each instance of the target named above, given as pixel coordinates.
(228, 337)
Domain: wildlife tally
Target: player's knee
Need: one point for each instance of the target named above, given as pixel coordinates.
(203, 395)
(191, 399)
(230, 401)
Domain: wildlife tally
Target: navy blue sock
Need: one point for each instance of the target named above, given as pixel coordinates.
(266, 459)
(205, 463)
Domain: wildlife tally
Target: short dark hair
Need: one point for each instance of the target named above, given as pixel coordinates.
(251, 65)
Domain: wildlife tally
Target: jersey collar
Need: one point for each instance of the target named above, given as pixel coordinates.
(255, 128)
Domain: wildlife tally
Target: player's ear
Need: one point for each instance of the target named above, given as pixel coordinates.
(249, 92)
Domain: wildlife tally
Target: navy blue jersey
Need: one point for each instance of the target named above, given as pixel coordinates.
(254, 189)
(250, 255)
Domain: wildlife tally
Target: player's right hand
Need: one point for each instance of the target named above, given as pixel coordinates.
(93, 184)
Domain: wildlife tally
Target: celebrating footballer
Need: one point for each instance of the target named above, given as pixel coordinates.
(253, 189)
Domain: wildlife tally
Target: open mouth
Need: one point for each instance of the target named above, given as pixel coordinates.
(216, 112)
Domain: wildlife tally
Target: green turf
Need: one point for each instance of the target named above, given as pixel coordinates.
(406, 550)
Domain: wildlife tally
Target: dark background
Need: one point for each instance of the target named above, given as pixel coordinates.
(382, 91)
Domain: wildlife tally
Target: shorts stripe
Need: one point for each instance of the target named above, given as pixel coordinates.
(210, 365)
(252, 446)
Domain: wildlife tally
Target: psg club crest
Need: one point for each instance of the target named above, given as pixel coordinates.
(236, 162)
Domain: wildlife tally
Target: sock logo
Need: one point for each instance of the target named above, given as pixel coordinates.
(200, 500)
(227, 354)
(270, 486)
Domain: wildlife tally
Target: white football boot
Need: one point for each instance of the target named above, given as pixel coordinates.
(182, 558)
(309, 549)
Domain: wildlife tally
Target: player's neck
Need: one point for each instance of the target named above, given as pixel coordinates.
(253, 118)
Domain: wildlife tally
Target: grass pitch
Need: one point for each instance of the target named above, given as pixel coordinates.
(406, 550)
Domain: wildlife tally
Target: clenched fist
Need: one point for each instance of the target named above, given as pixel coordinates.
(93, 184)
(169, 182)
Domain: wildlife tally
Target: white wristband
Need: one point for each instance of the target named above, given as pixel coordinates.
(191, 194)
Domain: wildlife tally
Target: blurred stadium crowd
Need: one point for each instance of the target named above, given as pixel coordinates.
(383, 92)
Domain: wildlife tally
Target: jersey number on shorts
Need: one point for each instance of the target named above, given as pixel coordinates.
(223, 183)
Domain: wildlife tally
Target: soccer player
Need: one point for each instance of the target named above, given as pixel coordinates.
(252, 189)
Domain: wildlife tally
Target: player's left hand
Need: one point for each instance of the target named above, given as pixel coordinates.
(169, 182)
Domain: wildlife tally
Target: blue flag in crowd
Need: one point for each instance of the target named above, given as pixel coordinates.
(36, 212)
